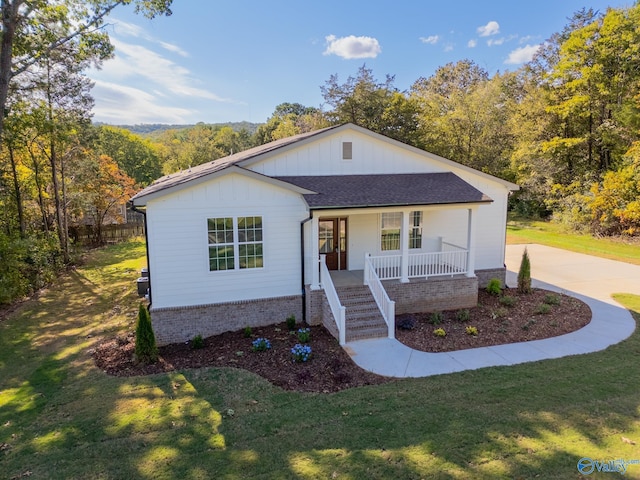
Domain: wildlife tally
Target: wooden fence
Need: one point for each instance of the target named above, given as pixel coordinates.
(86, 234)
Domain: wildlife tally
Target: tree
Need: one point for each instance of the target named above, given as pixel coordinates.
(146, 348)
(524, 274)
(136, 156)
(102, 190)
(27, 36)
(290, 119)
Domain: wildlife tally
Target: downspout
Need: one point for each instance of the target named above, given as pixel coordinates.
(304, 291)
(146, 241)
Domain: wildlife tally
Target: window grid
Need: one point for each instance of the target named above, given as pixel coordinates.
(390, 231)
(235, 243)
(415, 230)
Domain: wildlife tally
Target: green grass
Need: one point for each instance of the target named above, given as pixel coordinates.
(521, 230)
(60, 417)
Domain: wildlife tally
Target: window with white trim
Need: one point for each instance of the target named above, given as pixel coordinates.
(415, 229)
(235, 243)
(391, 226)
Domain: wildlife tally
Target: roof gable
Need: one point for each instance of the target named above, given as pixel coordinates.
(247, 158)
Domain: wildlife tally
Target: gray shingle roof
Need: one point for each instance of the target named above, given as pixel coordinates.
(345, 191)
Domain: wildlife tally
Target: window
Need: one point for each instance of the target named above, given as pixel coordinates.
(391, 225)
(235, 243)
(347, 150)
(390, 231)
(415, 230)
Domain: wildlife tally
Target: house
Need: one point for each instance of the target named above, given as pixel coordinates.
(283, 228)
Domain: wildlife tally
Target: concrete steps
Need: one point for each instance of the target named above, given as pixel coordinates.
(363, 318)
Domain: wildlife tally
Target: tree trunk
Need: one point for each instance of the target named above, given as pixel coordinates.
(18, 193)
(9, 24)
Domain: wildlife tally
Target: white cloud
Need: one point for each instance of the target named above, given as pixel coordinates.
(491, 28)
(431, 39)
(448, 47)
(120, 104)
(125, 29)
(472, 43)
(352, 47)
(135, 61)
(522, 54)
(495, 41)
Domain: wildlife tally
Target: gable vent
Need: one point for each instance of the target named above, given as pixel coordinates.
(347, 150)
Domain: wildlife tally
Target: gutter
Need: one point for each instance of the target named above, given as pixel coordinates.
(302, 270)
(146, 241)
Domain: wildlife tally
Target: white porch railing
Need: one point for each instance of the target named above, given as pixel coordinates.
(337, 309)
(386, 306)
(451, 260)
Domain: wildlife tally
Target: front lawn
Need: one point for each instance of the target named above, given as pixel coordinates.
(61, 417)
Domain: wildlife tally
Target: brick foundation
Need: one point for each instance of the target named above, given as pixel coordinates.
(319, 311)
(485, 275)
(174, 325)
(420, 295)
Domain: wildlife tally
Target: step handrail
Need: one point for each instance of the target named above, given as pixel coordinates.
(386, 306)
(337, 309)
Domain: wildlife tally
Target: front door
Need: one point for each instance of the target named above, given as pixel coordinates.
(332, 242)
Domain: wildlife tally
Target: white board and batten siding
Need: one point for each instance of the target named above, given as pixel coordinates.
(178, 242)
(372, 155)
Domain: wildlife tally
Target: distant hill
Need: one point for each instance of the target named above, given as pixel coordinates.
(151, 129)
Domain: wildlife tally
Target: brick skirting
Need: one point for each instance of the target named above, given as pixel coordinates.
(433, 294)
(485, 275)
(174, 325)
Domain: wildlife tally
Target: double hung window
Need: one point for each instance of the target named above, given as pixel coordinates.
(390, 230)
(235, 243)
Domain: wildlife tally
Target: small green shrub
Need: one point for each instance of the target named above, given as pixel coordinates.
(473, 331)
(439, 332)
(260, 345)
(463, 315)
(530, 323)
(406, 321)
(303, 335)
(552, 299)
(508, 300)
(494, 287)
(197, 342)
(524, 274)
(291, 322)
(247, 332)
(499, 313)
(543, 309)
(146, 348)
(435, 318)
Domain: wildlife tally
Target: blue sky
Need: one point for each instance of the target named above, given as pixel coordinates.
(214, 61)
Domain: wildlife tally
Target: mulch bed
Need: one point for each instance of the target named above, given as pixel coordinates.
(330, 368)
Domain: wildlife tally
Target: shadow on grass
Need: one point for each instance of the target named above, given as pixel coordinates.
(60, 417)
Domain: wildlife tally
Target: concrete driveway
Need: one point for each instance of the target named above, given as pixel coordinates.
(588, 278)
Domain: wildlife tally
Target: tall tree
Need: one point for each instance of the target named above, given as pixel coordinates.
(27, 37)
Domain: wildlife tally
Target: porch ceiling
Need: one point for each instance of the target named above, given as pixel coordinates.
(349, 191)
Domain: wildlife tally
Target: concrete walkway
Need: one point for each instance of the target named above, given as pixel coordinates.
(590, 279)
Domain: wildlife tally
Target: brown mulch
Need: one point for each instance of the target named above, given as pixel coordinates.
(497, 323)
(330, 369)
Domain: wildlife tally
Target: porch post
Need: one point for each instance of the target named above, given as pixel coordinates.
(471, 243)
(315, 255)
(404, 247)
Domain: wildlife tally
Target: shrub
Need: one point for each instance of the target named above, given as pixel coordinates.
(304, 334)
(406, 321)
(494, 287)
(301, 353)
(197, 342)
(247, 332)
(551, 299)
(260, 345)
(435, 318)
(543, 309)
(291, 322)
(146, 348)
(524, 274)
(439, 332)
(508, 300)
(463, 315)
(473, 331)
(530, 323)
